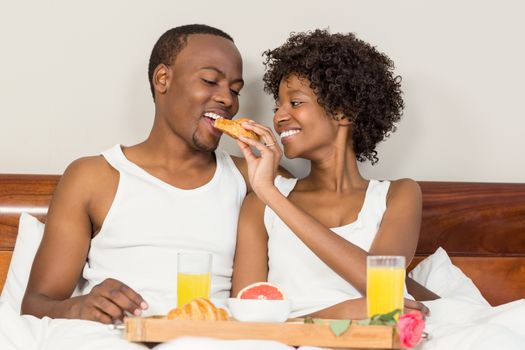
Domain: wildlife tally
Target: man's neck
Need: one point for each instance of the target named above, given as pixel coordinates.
(173, 161)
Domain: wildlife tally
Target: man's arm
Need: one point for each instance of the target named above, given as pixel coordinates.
(63, 251)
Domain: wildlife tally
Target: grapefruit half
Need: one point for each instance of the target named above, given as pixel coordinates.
(261, 291)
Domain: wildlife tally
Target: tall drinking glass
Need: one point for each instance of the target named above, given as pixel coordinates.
(385, 282)
(193, 276)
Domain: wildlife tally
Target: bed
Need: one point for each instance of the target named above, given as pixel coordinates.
(480, 225)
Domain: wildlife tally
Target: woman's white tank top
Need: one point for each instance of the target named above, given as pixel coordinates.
(150, 221)
(305, 279)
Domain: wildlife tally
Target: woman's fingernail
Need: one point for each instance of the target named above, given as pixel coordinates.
(137, 312)
(143, 305)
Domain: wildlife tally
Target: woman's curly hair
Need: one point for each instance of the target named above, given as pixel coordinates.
(349, 77)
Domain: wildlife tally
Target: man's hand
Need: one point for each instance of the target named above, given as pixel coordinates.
(108, 302)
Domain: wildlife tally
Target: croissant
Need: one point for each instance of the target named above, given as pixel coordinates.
(198, 309)
(234, 129)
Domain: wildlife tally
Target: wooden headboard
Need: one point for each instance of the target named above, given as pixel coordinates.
(480, 225)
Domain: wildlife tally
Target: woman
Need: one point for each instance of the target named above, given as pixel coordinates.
(336, 99)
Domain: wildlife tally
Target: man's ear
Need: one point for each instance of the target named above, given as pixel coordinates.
(161, 78)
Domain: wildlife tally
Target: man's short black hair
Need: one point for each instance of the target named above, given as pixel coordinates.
(172, 42)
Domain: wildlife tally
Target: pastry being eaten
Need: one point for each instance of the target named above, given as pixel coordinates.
(234, 129)
(199, 309)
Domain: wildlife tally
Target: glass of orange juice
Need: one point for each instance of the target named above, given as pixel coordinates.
(193, 276)
(385, 283)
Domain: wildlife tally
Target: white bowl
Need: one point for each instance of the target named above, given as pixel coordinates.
(254, 310)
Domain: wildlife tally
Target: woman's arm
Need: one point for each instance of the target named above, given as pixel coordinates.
(402, 218)
(397, 235)
(419, 292)
(399, 230)
(343, 257)
(355, 309)
(251, 253)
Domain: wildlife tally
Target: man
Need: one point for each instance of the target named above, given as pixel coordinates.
(118, 219)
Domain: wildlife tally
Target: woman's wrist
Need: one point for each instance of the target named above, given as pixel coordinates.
(267, 193)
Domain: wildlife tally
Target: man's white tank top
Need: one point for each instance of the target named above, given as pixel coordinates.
(304, 278)
(150, 221)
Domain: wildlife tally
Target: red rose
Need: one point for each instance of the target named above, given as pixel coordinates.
(410, 328)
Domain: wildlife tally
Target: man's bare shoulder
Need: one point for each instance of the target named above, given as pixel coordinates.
(89, 169)
(86, 174)
(83, 196)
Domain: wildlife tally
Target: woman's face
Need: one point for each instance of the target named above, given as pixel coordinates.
(303, 125)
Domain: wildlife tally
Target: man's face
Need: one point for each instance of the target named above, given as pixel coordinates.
(205, 77)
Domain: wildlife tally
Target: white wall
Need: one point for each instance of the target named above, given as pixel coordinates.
(73, 77)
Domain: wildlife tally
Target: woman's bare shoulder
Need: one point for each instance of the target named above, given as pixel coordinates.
(404, 188)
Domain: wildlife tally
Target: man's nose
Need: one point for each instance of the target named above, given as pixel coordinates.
(224, 97)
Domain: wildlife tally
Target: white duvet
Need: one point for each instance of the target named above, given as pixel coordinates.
(455, 323)
(461, 320)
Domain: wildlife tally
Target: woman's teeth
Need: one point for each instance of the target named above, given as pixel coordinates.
(289, 133)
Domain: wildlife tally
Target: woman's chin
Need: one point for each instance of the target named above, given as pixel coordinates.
(289, 154)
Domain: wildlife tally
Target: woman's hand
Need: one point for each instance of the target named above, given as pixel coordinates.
(411, 305)
(261, 169)
(355, 309)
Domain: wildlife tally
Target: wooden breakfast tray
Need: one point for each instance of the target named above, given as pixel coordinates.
(294, 332)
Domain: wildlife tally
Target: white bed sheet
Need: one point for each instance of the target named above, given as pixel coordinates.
(457, 323)
(453, 324)
(462, 319)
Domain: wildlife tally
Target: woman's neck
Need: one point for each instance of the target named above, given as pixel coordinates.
(335, 168)
(337, 173)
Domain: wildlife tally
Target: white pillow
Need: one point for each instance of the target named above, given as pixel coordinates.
(30, 232)
(437, 273)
